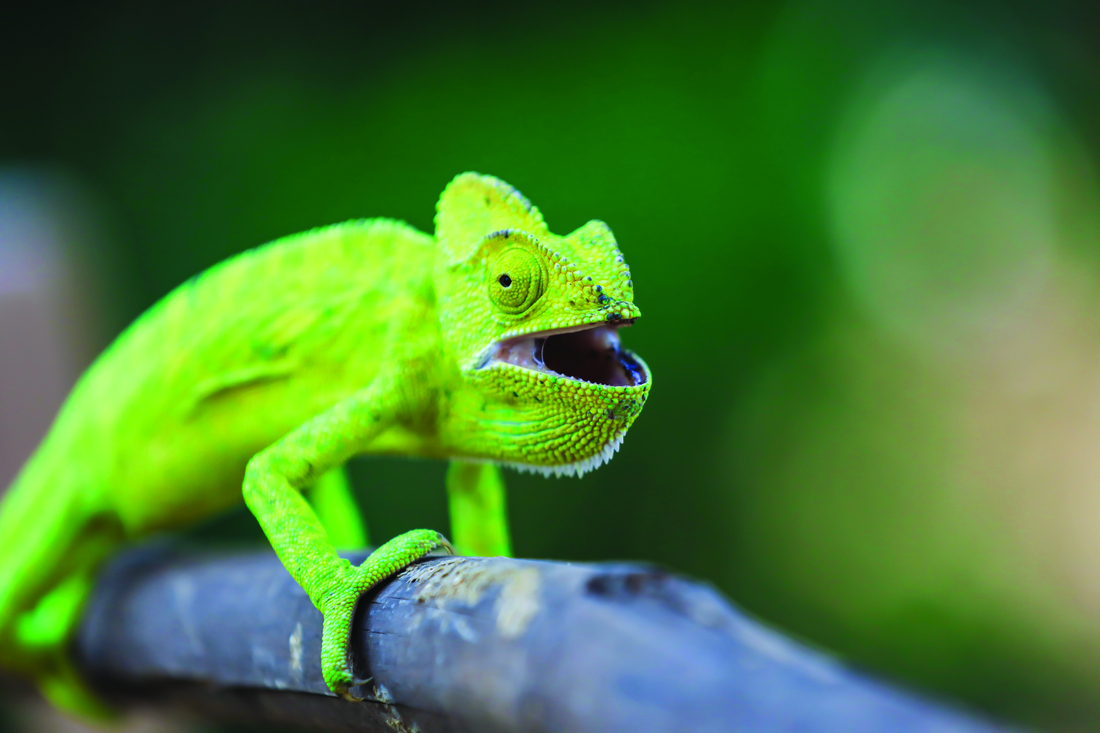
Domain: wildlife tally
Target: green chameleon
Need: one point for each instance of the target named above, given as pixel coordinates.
(494, 343)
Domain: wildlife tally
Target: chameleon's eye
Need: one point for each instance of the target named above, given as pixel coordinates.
(518, 280)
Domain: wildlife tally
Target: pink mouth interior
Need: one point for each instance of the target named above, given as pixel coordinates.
(592, 355)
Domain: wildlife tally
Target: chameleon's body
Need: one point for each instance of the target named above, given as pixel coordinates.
(275, 367)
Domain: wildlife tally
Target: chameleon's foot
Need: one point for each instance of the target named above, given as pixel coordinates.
(339, 606)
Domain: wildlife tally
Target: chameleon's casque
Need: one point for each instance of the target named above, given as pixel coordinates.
(493, 342)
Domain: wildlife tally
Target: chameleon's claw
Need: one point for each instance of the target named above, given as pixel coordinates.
(446, 545)
(347, 694)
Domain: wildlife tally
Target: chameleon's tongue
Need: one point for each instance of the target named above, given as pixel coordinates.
(592, 355)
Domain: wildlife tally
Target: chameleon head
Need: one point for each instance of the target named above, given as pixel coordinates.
(532, 320)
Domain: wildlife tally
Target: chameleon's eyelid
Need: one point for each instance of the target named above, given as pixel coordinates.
(527, 279)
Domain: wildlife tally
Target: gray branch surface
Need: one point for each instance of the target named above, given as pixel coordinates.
(473, 645)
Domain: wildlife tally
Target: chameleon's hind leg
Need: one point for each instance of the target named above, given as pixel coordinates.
(52, 528)
(479, 517)
(45, 629)
(334, 504)
(41, 634)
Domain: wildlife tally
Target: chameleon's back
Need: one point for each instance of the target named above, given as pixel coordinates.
(159, 430)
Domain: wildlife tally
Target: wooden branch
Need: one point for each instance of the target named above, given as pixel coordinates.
(490, 645)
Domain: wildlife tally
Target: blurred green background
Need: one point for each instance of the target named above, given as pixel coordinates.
(865, 239)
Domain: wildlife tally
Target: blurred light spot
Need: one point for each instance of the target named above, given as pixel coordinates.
(45, 313)
(31, 232)
(941, 195)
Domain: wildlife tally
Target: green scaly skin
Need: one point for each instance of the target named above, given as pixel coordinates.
(273, 368)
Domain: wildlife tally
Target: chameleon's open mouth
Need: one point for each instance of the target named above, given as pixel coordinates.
(588, 353)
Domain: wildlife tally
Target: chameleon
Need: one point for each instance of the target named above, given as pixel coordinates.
(493, 343)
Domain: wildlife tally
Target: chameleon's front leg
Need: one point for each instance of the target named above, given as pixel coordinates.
(272, 490)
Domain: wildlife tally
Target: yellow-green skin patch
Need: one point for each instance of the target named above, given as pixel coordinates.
(273, 368)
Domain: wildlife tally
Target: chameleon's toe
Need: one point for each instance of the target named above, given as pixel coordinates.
(340, 605)
(340, 681)
(399, 552)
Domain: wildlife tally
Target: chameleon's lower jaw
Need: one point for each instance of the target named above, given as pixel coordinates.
(590, 354)
(591, 389)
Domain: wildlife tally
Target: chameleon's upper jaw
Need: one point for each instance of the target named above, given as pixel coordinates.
(588, 353)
